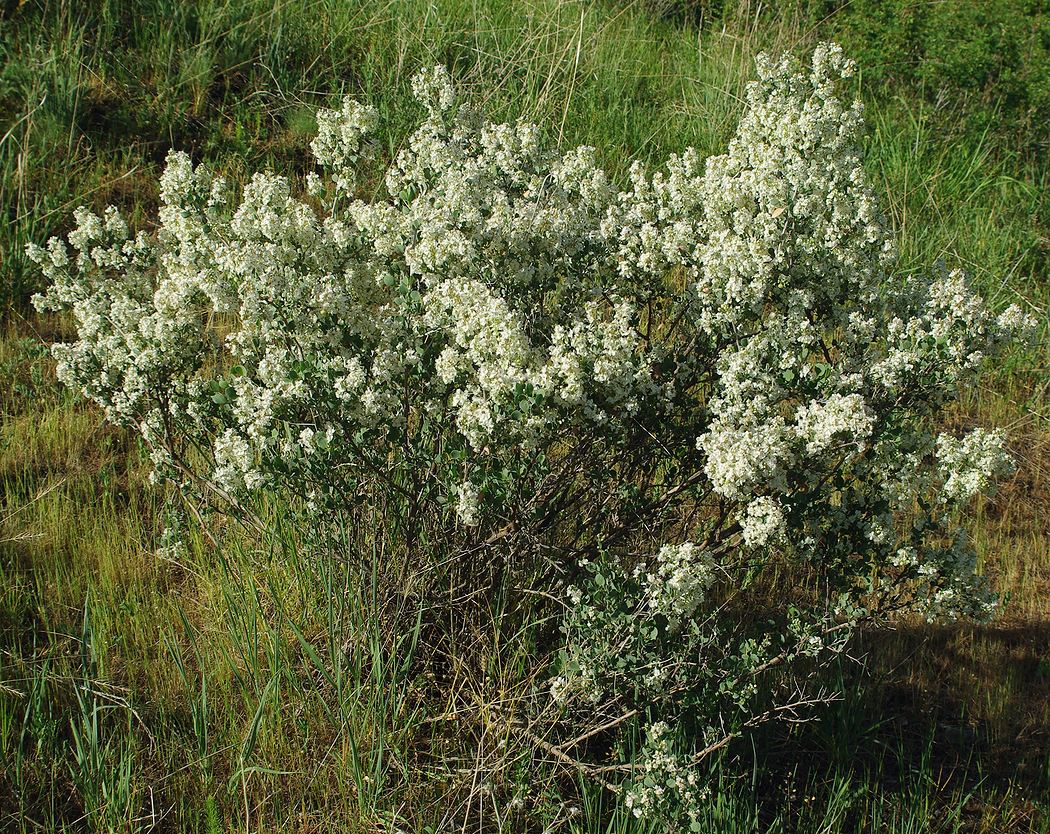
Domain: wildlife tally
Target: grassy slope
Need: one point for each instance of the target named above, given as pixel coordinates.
(137, 687)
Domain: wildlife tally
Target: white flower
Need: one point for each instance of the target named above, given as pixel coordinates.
(235, 469)
(666, 785)
(739, 457)
(763, 522)
(467, 504)
(338, 144)
(679, 581)
(840, 417)
(971, 465)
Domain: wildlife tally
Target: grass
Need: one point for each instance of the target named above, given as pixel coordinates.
(239, 686)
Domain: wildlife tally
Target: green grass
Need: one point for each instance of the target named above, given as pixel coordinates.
(242, 686)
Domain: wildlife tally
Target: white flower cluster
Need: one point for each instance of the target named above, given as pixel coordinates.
(338, 144)
(841, 416)
(972, 464)
(678, 581)
(666, 785)
(763, 522)
(742, 455)
(467, 507)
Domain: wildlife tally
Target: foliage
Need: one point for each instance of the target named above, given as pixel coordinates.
(989, 60)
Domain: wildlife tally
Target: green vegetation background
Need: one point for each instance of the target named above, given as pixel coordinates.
(137, 693)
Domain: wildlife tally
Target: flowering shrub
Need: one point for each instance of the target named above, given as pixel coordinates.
(699, 412)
